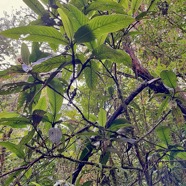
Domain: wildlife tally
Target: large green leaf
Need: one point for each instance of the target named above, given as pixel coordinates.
(36, 33)
(169, 78)
(15, 122)
(66, 22)
(36, 6)
(102, 5)
(101, 25)
(76, 17)
(163, 133)
(90, 75)
(102, 117)
(50, 64)
(118, 56)
(13, 148)
(55, 99)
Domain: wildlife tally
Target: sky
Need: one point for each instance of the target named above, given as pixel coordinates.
(9, 5)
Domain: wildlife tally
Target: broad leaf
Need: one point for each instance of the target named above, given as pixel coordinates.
(51, 63)
(169, 78)
(90, 75)
(27, 138)
(12, 71)
(76, 17)
(101, 25)
(55, 99)
(13, 148)
(102, 5)
(163, 133)
(119, 123)
(135, 5)
(118, 56)
(36, 34)
(15, 122)
(163, 106)
(104, 158)
(66, 22)
(12, 88)
(102, 117)
(36, 6)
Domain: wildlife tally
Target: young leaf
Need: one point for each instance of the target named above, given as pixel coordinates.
(13, 148)
(90, 75)
(169, 78)
(102, 117)
(163, 133)
(101, 25)
(36, 33)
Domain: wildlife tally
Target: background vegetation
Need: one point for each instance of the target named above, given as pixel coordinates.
(97, 94)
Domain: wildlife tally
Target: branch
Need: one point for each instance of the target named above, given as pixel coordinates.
(127, 101)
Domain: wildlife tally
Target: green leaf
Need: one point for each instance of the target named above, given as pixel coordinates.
(118, 56)
(41, 104)
(101, 25)
(178, 115)
(104, 158)
(11, 88)
(50, 64)
(86, 151)
(102, 117)
(25, 53)
(163, 106)
(103, 5)
(28, 173)
(27, 138)
(36, 184)
(76, 17)
(90, 75)
(119, 123)
(36, 6)
(13, 148)
(55, 100)
(87, 183)
(169, 78)
(163, 133)
(66, 22)
(12, 71)
(135, 5)
(15, 122)
(36, 33)
(8, 114)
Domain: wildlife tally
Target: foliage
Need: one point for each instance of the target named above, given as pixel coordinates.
(107, 106)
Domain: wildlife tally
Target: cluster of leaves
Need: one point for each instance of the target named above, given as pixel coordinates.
(80, 105)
